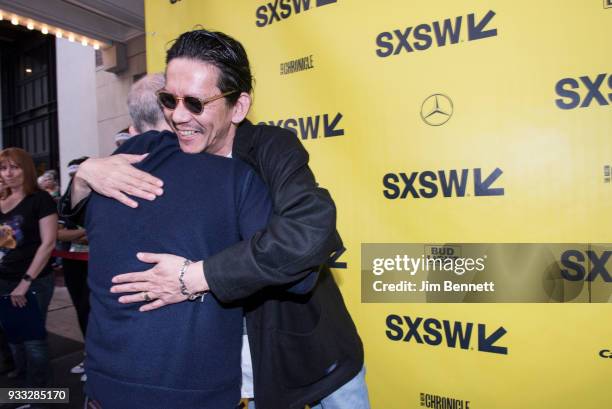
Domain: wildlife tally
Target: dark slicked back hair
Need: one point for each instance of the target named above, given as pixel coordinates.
(220, 50)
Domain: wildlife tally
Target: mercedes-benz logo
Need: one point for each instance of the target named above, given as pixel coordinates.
(436, 110)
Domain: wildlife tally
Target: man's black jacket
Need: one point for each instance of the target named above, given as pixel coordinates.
(303, 347)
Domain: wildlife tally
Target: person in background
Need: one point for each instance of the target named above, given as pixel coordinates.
(6, 357)
(73, 242)
(49, 182)
(28, 230)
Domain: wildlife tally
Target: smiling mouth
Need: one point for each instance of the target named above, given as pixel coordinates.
(187, 134)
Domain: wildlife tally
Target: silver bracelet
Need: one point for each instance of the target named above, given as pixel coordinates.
(184, 291)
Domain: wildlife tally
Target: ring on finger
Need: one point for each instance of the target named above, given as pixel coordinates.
(146, 296)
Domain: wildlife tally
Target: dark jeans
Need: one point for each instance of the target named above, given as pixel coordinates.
(75, 276)
(6, 356)
(32, 357)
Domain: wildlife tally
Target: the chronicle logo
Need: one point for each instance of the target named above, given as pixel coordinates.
(301, 64)
(571, 99)
(438, 33)
(283, 9)
(605, 353)
(432, 401)
(454, 334)
(429, 184)
(311, 127)
(436, 110)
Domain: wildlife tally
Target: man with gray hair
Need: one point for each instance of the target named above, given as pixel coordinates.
(143, 106)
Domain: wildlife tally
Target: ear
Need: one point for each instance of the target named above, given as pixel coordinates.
(132, 131)
(241, 108)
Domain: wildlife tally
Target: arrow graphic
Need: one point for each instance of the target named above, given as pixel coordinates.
(483, 188)
(477, 31)
(330, 129)
(485, 344)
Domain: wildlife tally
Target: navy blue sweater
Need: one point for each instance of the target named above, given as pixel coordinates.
(187, 355)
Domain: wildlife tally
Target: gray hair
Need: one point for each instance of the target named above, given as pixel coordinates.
(142, 102)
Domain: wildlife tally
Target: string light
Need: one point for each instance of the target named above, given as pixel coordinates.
(45, 29)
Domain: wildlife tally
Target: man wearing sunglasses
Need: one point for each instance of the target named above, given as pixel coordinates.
(305, 348)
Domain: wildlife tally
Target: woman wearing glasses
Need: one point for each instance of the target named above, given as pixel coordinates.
(28, 229)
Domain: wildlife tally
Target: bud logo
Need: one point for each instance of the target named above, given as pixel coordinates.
(575, 270)
(434, 333)
(445, 32)
(450, 183)
(311, 127)
(282, 9)
(571, 99)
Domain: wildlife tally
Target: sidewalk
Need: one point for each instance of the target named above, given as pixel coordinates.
(65, 348)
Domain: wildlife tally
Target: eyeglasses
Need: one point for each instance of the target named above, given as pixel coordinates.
(192, 104)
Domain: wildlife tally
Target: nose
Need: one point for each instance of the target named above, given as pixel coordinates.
(180, 114)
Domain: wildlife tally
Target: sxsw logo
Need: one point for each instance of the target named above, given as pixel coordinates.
(455, 334)
(607, 172)
(429, 184)
(583, 93)
(283, 9)
(438, 33)
(586, 266)
(607, 4)
(312, 127)
(334, 259)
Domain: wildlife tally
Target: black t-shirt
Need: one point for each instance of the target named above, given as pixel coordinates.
(20, 235)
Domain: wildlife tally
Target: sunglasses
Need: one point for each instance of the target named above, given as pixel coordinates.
(192, 104)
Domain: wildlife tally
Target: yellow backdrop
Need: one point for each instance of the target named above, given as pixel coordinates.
(531, 123)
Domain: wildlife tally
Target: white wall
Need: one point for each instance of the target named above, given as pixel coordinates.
(76, 103)
(92, 103)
